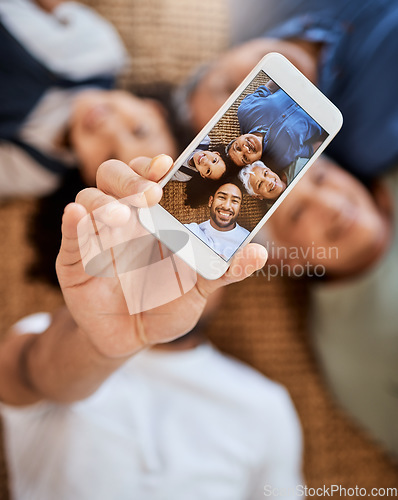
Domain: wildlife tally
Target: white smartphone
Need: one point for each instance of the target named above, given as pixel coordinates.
(237, 171)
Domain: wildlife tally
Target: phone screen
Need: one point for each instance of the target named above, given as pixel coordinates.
(236, 172)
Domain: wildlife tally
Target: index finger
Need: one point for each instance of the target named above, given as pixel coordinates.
(152, 169)
(117, 179)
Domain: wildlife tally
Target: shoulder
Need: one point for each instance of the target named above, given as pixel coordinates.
(194, 227)
(191, 225)
(242, 230)
(68, 51)
(253, 100)
(204, 143)
(294, 168)
(260, 92)
(204, 225)
(182, 176)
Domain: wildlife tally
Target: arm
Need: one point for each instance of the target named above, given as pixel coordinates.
(30, 364)
(97, 334)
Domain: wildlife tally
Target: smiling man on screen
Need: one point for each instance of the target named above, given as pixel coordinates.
(221, 232)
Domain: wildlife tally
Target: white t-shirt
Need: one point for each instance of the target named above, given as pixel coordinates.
(225, 243)
(189, 425)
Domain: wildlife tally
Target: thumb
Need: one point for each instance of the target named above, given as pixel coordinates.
(248, 260)
(69, 265)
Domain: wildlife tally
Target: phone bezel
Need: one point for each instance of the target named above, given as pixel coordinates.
(202, 258)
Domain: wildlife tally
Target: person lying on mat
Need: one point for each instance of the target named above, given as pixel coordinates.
(221, 232)
(273, 129)
(208, 163)
(59, 62)
(96, 404)
(334, 44)
(346, 234)
(264, 184)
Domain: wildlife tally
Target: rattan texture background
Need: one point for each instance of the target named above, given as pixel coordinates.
(166, 39)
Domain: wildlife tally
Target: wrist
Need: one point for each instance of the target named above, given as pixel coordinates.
(113, 340)
(63, 364)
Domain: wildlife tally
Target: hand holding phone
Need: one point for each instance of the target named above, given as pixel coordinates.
(240, 167)
(101, 304)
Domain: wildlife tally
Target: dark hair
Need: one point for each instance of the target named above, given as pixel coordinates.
(220, 148)
(44, 231)
(228, 147)
(198, 190)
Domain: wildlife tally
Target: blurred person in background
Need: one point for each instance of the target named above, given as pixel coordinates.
(274, 129)
(59, 61)
(334, 226)
(90, 412)
(348, 49)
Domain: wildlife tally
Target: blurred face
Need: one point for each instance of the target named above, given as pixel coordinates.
(209, 164)
(246, 149)
(330, 208)
(265, 183)
(224, 76)
(116, 124)
(224, 207)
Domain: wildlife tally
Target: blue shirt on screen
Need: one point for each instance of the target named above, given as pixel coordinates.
(288, 130)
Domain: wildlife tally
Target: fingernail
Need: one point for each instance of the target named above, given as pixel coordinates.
(115, 208)
(164, 158)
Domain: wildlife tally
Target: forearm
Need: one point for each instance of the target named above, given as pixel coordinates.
(61, 364)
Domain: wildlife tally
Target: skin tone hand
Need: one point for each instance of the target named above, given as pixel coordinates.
(96, 335)
(123, 334)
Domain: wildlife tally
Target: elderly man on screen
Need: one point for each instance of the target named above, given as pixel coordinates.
(264, 184)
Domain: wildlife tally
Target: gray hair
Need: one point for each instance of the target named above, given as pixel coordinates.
(246, 172)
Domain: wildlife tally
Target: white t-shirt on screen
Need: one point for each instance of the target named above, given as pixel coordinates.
(225, 243)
